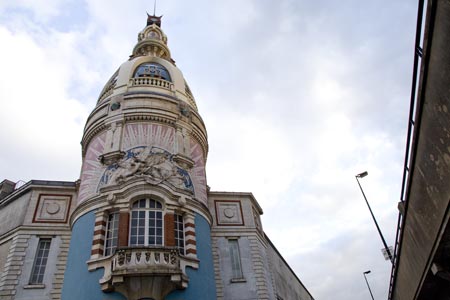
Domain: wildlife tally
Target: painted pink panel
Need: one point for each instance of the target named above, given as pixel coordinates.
(141, 134)
(92, 169)
(198, 174)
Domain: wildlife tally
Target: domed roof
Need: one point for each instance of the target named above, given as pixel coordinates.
(150, 69)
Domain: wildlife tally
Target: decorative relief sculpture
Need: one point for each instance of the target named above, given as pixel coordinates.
(229, 212)
(52, 208)
(154, 164)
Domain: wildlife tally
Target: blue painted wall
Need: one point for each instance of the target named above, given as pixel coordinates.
(79, 283)
(201, 284)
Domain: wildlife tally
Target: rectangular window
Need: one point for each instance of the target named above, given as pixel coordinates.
(40, 261)
(236, 268)
(154, 228)
(112, 234)
(179, 233)
(146, 227)
(137, 230)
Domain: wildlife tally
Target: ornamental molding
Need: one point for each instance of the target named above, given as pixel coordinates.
(152, 49)
(141, 117)
(156, 271)
(89, 135)
(202, 141)
(138, 188)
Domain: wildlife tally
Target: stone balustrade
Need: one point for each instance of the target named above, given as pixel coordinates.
(136, 259)
(151, 81)
(155, 270)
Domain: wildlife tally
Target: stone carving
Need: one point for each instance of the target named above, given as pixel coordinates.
(145, 258)
(52, 208)
(153, 164)
(229, 212)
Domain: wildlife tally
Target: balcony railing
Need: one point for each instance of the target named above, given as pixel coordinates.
(132, 260)
(416, 103)
(144, 265)
(151, 81)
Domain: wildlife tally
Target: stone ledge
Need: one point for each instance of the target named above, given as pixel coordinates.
(238, 280)
(34, 286)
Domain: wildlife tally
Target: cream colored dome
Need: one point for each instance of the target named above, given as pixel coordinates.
(150, 70)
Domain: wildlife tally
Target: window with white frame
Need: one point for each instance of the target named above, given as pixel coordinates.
(112, 229)
(146, 224)
(236, 268)
(179, 233)
(40, 261)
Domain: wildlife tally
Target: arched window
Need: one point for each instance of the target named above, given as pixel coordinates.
(151, 69)
(146, 224)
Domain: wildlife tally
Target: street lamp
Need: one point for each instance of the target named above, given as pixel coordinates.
(368, 286)
(388, 251)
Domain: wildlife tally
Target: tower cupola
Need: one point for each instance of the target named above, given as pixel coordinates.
(152, 40)
(150, 69)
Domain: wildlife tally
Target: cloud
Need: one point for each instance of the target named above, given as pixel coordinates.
(42, 10)
(33, 89)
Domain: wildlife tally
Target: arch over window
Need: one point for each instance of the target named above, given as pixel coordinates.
(151, 69)
(146, 223)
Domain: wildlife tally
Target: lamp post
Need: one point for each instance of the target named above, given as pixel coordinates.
(368, 286)
(388, 251)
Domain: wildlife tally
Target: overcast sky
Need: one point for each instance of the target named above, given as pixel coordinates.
(298, 96)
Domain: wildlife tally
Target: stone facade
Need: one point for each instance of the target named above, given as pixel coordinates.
(265, 274)
(38, 210)
(141, 222)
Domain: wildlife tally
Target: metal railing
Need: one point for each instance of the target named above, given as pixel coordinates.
(410, 152)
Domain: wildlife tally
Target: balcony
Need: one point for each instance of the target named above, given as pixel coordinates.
(151, 81)
(150, 272)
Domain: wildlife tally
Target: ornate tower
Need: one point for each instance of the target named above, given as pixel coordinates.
(141, 228)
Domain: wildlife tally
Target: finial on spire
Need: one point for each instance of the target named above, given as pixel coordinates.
(154, 7)
(153, 20)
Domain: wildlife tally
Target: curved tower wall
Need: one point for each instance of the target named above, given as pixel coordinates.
(141, 228)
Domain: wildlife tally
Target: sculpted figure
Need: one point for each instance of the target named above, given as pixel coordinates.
(155, 167)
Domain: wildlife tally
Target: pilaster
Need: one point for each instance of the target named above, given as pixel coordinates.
(13, 266)
(58, 280)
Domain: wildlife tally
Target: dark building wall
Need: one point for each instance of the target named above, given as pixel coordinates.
(427, 203)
